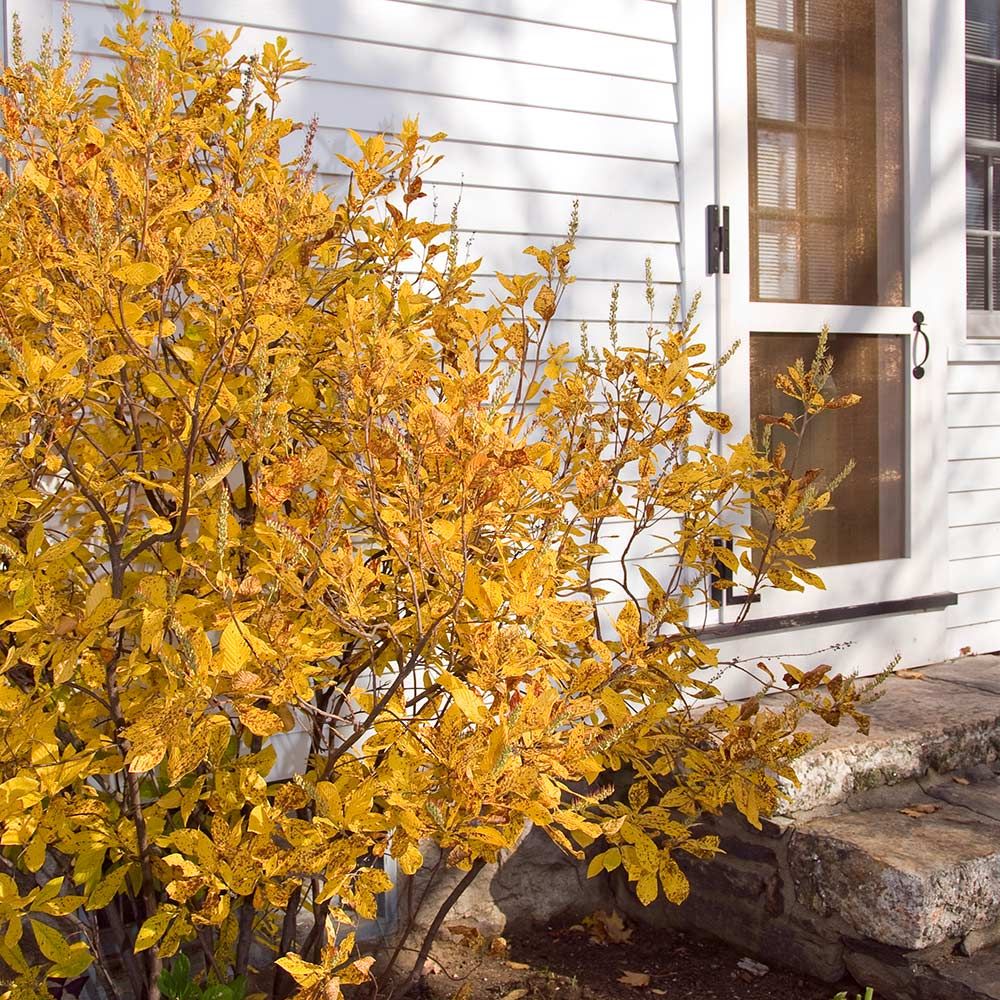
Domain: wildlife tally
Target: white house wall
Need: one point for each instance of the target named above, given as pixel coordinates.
(542, 100)
(974, 505)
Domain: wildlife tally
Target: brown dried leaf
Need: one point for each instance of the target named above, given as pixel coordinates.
(636, 979)
(910, 675)
(471, 937)
(960, 780)
(607, 928)
(515, 995)
(920, 810)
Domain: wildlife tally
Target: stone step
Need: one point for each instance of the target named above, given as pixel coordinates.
(947, 720)
(908, 879)
(939, 974)
(960, 977)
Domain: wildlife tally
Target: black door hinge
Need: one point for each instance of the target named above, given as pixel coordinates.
(718, 239)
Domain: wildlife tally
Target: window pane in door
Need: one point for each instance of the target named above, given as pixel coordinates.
(826, 76)
(975, 271)
(975, 192)
(981, 96)
(868, 519)
(982, 28)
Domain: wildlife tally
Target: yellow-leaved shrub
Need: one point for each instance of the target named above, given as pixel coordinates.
(270, 467)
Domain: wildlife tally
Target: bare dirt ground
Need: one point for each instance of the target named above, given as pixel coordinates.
(589, 963)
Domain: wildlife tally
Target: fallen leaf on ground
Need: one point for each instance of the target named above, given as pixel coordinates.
(515, 995)
(518, 965)
(469, 936)
(920, 810)
(607, 928)
(497, 947)
(659, 993)
(910, 675)
(961, 781)
(637, 979)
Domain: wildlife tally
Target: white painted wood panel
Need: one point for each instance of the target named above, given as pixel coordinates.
(973, 474)
(974, 507)
(977, 573)
(543, 213)
(965, 639)
(975, 608)
(631, 18)
(485, 166)
(473, 119)
(982, 376)
(409, 25)
(388, 66)
(971, 541)
(975, 409)
(966, 443)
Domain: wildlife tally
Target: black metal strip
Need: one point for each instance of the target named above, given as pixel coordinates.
(827, 616)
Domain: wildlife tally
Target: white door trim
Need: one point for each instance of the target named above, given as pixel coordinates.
(930, 287)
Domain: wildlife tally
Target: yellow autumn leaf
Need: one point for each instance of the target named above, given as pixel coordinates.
(33, 176)
(137, 273)
(110, 365)
(236, 652)
(469, 704)
(152, 929)
(306, 974)
(410, 860)
(627, 624)
(50, 942)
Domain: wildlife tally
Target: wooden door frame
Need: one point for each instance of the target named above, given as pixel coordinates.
(713, 33)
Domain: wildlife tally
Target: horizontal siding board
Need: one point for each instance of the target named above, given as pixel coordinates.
(647, 548)
(589, 300)
(411, 26)
(975, 608)
(421, 72)
(972, 541)
(345, 105)
(592, 259)
(979, 573)
(977, 474)
(486, 165)
(634, 18)
(973, 377)
(966, 443)
(974, 507)
(974, 409)
(533, 212)
(982, 638)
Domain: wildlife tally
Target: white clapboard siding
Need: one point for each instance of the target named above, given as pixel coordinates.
(974, 506)
(543, 101)
(480, 166)
(974, 409)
